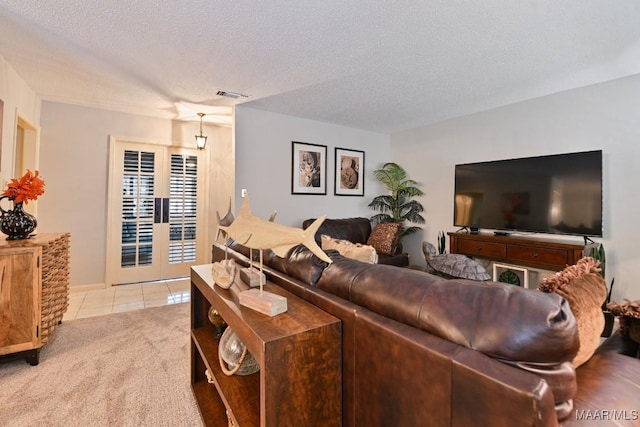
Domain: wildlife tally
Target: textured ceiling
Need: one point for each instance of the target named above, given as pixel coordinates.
(384, 66)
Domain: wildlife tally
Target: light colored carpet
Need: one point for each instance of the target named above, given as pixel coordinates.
(126, 369)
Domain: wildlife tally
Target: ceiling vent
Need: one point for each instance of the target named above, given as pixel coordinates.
(234, 95)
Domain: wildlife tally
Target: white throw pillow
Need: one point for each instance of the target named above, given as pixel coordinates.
(357, 251)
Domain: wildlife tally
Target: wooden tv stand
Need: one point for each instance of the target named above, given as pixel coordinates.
(299, 353)
(518, 250)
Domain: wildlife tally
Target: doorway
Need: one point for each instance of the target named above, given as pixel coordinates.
(156, 229)
(26, 153)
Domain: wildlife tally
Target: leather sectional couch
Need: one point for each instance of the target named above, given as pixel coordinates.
(420, 350)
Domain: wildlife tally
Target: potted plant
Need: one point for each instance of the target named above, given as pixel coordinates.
(397, 206)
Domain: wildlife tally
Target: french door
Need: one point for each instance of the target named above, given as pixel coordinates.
(156, 227)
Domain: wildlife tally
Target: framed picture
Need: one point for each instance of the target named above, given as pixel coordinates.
(349, 172)
(308, 168)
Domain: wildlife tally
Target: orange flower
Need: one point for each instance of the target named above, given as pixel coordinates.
(29, 187)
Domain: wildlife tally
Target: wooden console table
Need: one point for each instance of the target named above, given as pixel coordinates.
(299, 353)
(34, 291)
(525, 251)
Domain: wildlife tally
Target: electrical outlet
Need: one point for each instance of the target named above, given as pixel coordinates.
(244, 192)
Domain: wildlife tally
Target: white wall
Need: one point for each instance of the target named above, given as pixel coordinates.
(74, 163)
(263, 166)
(604, 116)
(19, 99)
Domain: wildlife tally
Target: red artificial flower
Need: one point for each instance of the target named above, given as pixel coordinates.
(29, 187)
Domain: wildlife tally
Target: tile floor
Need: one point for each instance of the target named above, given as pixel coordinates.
(117, 299)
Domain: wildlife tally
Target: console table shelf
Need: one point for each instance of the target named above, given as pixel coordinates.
(299, 353)
(526, 251)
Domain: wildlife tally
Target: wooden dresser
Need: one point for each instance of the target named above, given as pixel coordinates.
(34, 292)
(525, 251)
(299, 352)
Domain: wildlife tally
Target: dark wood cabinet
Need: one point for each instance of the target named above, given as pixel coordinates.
(299, 352)
(528, 252)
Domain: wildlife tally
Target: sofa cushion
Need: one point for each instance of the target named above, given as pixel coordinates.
(500, 320)
(300, 263)
(384, 237)
(357, 251)
(585, 290)
(355, 230)
(531, 330)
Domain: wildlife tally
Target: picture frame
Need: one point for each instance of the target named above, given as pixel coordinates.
(349, 172)
(308, 168)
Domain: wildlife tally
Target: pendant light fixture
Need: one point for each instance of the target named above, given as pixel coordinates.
(201, 140)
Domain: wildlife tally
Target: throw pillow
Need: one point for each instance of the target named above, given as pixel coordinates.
(585, 290)
(384, 237)
(358, 251)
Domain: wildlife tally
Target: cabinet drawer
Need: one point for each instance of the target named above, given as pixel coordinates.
(482, 249)
(539, 256)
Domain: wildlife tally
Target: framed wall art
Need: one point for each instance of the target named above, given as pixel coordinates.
(349, 172)
(308, 168)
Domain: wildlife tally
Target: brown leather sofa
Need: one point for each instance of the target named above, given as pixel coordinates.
(356, 230)
(419, 350)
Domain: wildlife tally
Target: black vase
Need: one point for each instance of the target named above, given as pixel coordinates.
(16, 223)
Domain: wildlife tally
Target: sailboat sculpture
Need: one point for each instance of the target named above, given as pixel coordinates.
(224, 272)
(257, 233)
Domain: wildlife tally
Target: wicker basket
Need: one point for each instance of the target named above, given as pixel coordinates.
(55, 284)
(234, 356)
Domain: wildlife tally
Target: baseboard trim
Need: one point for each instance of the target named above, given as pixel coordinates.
(89, 287)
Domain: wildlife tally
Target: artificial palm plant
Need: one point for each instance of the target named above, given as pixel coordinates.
(397, 206)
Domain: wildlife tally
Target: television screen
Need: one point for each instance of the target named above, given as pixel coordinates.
(556, 194)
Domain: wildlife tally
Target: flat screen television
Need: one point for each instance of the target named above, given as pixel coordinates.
(556, 194)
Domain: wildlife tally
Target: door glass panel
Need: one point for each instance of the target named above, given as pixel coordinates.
(146, 208)
(137, 208)
(175, 253)
(191, 186)
(190, 231)
(145, 254)
(146, 232)
(131, 161)
(128, 209)
(183, 187)
(129, 232)
(146, 186)
(147, 163)
(190, 208)
(190, 250)
(175, 232)
(130, 185)
(128, 257)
